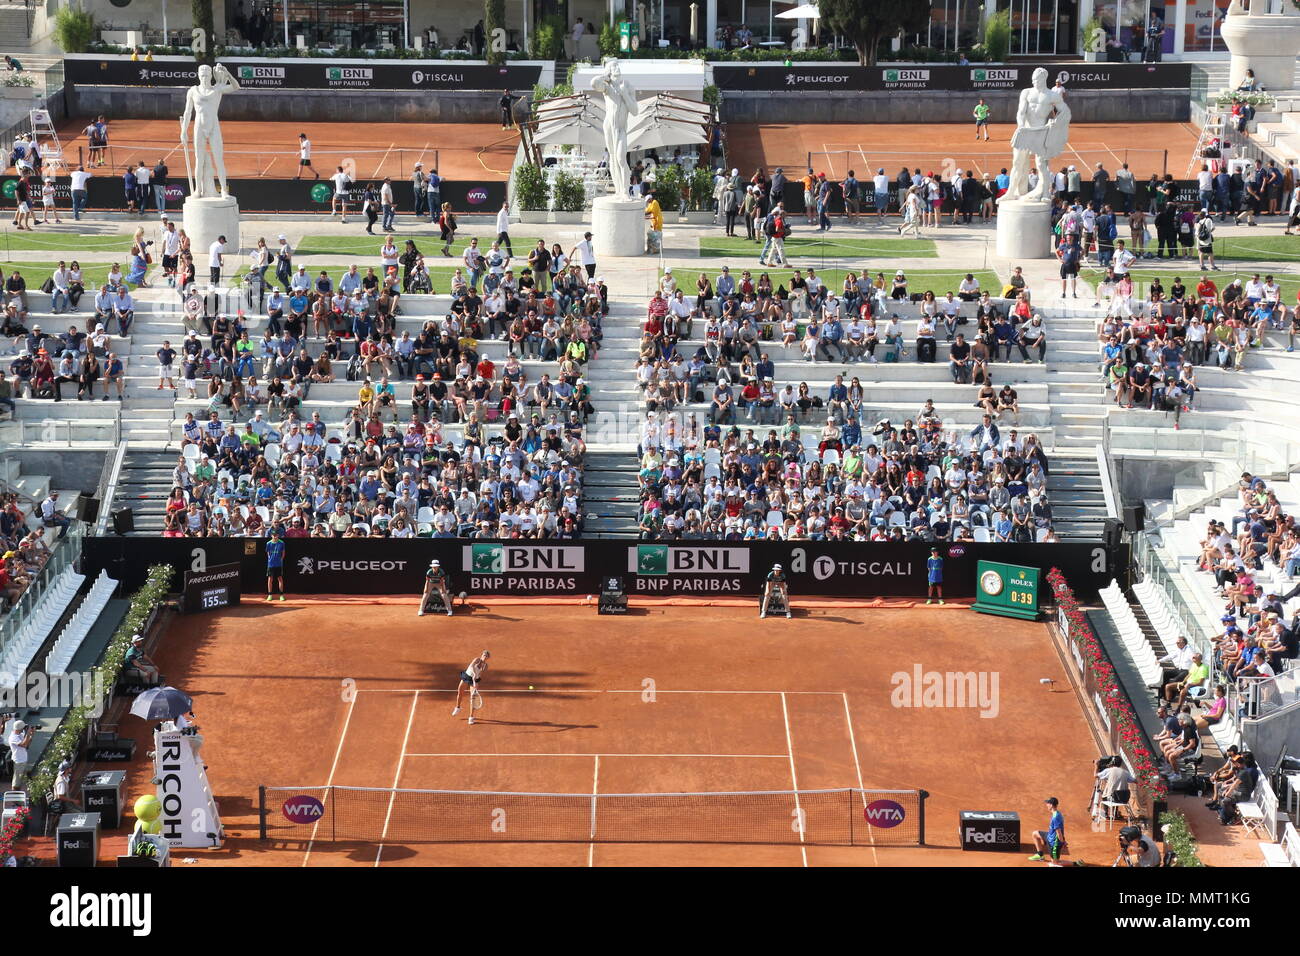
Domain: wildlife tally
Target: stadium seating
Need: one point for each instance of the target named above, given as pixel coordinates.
(18, 654)
(79, 625)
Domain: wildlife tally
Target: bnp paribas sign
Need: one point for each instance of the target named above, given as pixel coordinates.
(661, 568)
(514, 567)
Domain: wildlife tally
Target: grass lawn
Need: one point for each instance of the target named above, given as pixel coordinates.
(1190, 273)
(830, 245)
(1263, 248)
(93, 273)
(366, 248)
(66, 244)
(937, 281)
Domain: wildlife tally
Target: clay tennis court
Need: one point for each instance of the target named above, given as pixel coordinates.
(475, 151)
(358, 692)
(836, 148)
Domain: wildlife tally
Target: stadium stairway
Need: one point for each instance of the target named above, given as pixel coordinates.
(610, 498)
(144, 484)
(1078, 414)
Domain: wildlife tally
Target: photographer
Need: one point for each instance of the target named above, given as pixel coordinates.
(1135, 849)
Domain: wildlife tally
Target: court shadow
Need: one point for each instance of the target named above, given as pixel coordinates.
(549, 725)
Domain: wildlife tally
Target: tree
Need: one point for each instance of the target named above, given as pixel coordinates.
(494, 18)
(864, 23)
(201, 11)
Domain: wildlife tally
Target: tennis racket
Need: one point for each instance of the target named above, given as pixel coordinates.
(475, 698)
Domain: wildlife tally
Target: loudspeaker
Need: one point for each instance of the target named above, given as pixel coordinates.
(1113, 532)
(123, 520)
(1135, 518)
(86, 507)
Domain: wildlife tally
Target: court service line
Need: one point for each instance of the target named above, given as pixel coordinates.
(853, 742)
(397, 776)
(863, 154)
(794, 779)
(329, 782)
(480, 753)
(595, 789)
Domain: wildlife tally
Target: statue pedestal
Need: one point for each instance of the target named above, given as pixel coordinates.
(204, 220)
(1024, 229)
(618, 226)
(1265, 43)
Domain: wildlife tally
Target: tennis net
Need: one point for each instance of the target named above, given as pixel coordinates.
(843, 817)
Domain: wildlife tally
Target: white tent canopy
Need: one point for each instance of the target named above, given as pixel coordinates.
(807, 11)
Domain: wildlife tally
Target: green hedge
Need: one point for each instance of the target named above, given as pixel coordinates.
(1178, 837)
(68, 736)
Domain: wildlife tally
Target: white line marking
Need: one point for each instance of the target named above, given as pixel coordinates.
(599, 755)
(585, 690)
(853, 741)
(338, 751)
(397, 776)
(382, 160)
(789, 744)
(595, 789)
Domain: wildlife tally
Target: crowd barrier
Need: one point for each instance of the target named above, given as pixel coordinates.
(558, 568)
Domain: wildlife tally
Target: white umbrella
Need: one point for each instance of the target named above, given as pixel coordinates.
(808, 11)
(665, 133)
(578, 131)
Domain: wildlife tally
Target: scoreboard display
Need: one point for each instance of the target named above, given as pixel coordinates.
(213, 589)
(1006, 589)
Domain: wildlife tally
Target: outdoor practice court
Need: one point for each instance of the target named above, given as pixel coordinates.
(358, 692)
(255, 149)
(838, 147)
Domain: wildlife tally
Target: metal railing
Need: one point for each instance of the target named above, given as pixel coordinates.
(59, 431)
(1156, 569)
(1106, 469)
(108, 486)
(63, 553)
(1254, 698)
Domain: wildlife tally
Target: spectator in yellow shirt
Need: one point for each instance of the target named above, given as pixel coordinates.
(366, 398)
(656, 217)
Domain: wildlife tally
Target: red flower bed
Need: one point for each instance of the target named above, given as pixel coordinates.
(13, 831)
(1146, 766)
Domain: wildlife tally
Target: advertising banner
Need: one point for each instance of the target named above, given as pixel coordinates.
(307, 73)
(700, 568)
(974, 78)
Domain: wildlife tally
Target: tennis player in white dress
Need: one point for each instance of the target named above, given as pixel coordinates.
(469, 678)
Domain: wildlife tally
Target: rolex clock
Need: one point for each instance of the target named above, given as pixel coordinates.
(1007, 589)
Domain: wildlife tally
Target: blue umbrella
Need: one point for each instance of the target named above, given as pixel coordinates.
(161, 703)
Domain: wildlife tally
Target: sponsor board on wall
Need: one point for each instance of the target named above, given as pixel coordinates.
(380, 566)
(307, 73)
(830, 76)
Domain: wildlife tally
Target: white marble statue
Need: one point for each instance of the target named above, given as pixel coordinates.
(620, 106)
(201, 104)
(1042, 128)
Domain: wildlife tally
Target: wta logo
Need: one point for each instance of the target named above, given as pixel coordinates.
(303, 809)
(884, 814)
(477, 196)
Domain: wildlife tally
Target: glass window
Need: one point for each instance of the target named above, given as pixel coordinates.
(341, 23)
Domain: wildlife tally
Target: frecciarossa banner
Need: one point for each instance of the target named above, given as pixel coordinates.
(701, 568)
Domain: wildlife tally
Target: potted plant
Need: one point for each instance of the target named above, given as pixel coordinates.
(699, 204)
(570, 199)
(532, 192)
(1094, 39)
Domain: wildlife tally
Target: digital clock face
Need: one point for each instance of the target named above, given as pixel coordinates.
(991, 583)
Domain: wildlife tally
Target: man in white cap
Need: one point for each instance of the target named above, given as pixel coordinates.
(775, 586)
(137, 659)
(20, 738)
(435, 580)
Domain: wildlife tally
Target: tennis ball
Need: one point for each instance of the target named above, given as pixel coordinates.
(147, 809)
(530, 686)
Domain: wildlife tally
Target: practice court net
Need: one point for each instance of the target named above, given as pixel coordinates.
(845, 817)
